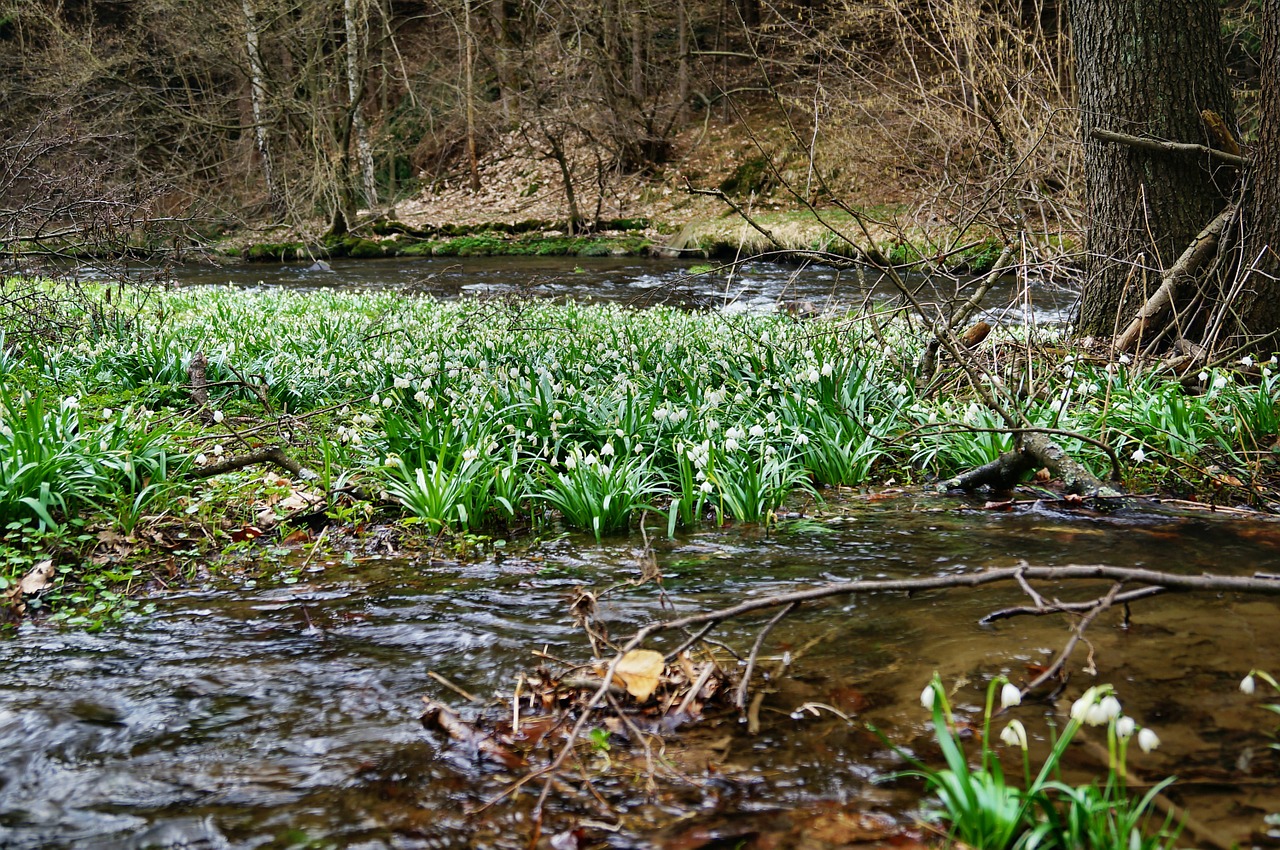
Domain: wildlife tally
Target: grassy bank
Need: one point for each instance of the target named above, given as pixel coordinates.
(831, 232)
(503, 417)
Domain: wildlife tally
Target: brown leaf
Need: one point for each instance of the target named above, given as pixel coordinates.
(640, 671)
(39, 578)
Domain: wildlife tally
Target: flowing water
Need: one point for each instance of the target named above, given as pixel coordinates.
(260, 713)
(641, 282)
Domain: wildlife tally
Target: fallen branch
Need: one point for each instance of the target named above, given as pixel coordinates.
(274, 455)
(1160, 146)
(1201, 249)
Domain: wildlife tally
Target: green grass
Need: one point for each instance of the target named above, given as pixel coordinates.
(482, 415)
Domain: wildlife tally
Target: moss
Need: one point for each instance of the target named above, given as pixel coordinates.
(279, 252)
(751, 177)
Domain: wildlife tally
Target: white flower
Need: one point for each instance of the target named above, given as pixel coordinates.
(401, 383)
(375, 399)
(705, 487)
(218, 450)
(1203, 376)
(731, 445)
(420, 397)
(1110, 707)
(201, 460)
(1139, 455)
(570, 461)
(1124, 359)
(606, 450)
(801, 439)
(470, 454)
(1010, 695)
(387, 402)
(756, 431)
(1125, 727)
(812, 376)
(1246, 361)
(1247, 686)
(1096, 715)
(1080, 708)
(106, 413)
(827, 369)
(1148, 740)
(927, 697)
(71, 402)
(1015, 734)
(1220, 382)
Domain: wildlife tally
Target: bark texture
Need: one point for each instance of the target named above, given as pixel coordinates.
(1261, 303)
(1147, 68)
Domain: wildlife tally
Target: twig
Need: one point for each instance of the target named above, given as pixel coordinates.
(274, 455)
(1076, 636)
(740, 698)
(1160, 146)
(1061, 607)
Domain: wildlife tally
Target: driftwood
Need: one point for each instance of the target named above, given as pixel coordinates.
(274, 455)
(1201, 249)
(1159, 146)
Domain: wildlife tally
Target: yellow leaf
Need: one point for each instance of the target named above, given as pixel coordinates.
(640, 671)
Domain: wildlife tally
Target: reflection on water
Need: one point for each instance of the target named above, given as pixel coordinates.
(641, 282)
(287, 714)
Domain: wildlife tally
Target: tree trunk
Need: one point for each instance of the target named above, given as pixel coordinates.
(355, 23)
(258, 97)
(1260, 306)
(1148, 68)
(468, 87)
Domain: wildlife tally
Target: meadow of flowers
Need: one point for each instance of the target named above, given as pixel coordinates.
(472, 414)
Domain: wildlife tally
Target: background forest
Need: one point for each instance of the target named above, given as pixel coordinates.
(227, 112)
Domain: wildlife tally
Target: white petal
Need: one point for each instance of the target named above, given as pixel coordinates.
(1148, 740)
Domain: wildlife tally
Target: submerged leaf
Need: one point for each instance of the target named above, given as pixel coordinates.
(640, 671)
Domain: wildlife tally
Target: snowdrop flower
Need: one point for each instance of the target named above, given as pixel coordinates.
(1203, 376)
(1246, 361)
(201, 460)
(1096, 715)
(1247, 686)
(375, 399)
(1148, 740)
(927, 696)
(1219, 382)
(71, 402)
(1124, 359)
(827, 369)
(401, 383)
(606, 450)
(218, 450)
(388, 401)
(103, 445)
(470, 454)
(756, 431)
(1139, 455)
(801, 439)
(420, 397)
(106, 413)
(1010, 695)
(570, 462)
(1015, 734)
(1080, 708)
(1125, 727)
(706, 487)
(1110, 707)
(731, 445)
(813, 377)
